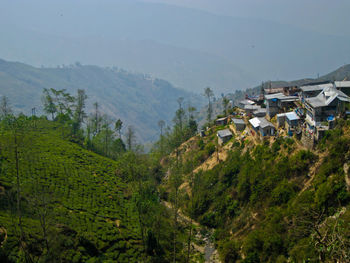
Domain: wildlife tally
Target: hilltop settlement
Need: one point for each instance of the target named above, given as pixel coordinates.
(306, 112)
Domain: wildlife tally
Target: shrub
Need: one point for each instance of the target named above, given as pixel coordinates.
(200, 144)
(282, 193)
(229, 251)
(210, 149)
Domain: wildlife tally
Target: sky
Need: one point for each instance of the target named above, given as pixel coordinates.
(324, 16)
(247, 41)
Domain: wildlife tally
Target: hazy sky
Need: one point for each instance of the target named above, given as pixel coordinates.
(257, 40)
(326, 16)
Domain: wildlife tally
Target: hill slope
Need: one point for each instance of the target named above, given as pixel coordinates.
(134, 98)
(74, 194)
(271, 200)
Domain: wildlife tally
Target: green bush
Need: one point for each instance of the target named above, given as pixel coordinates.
(210, 149)
(201, 144)
(229, 251)
(282, 193)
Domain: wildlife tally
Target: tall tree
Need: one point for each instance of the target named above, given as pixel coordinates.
(80, 113)
(49, 104)
(180, 116)
(18, 146)
(118, 127)
(161, 125)
(209, 94)
(225, 103)
(64, 101)
(175, 181)
(96, 119)
(130, 137)
(107, 134)
(5, 108)
(192, 124)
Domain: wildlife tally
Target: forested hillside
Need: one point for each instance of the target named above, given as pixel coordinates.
(75, 193)
(270, 200)
(60, 202)
(136, 99)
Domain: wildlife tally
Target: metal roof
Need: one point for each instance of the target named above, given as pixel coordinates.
(238, 121)
(224, 133)
(316, 102)
(316, 87)
(260, 122)
(255, 122)
(292, 116)
(263, 110)
(265, 123)
(326, 97)
(221, 119)
(342, 84)
(246, 102)
(274, 96)
(251, 107)
(280, 96)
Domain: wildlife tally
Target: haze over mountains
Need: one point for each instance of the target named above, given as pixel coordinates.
(190, 48)
(134, 98)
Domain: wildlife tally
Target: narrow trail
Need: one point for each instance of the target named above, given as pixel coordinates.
(214, 159)
(313, 171)
(205, 235)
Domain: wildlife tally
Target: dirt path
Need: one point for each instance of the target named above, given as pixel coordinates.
(313, 171)
(347, 176)
(214, 159)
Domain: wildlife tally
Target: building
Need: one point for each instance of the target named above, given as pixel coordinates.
(245, 102)
(275, 90)
(263, 126)
(313, 90)
(224, 136)
(249, 109)
(291, 90)
(239, 124)
(343, 86)
(261, 112)
(221, 121)
(281, 119)
(292, 120)
(325, 106)
(278, 102)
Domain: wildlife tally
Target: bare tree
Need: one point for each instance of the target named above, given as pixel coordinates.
(79, 114)
(130, 137)
(161, 125)
(96, 119)
(5, 108)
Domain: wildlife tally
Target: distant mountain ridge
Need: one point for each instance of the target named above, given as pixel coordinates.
(190, 48)
(137, 99)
